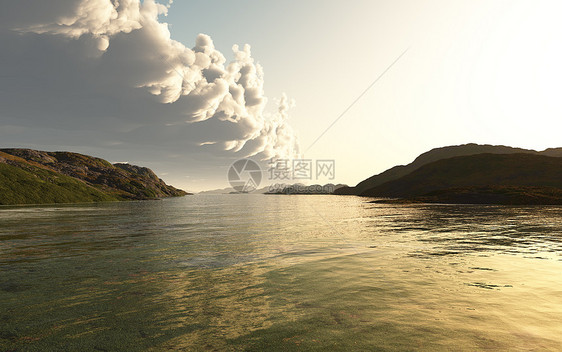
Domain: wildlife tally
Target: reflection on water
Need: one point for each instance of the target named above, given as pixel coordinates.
(252, 272)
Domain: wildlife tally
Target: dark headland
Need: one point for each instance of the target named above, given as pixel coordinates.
(37, 177)
(470, 174)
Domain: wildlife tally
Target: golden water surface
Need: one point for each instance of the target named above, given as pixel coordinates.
(256, 272)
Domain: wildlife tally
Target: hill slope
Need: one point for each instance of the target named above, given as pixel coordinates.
(34, 177)
(35, 186)
(435, 155)
(471, 175)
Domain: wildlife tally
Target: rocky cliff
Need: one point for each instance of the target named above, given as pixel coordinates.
(30, 176)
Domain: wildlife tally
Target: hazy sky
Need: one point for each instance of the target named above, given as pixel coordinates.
(83, 76)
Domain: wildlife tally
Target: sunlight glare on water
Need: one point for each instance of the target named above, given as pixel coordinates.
(255, 272)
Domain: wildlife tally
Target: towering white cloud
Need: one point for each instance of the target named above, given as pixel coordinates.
(112, 66)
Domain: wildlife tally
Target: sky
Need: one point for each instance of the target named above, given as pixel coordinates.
(186, 88)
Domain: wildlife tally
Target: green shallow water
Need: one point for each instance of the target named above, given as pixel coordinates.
(253, 272)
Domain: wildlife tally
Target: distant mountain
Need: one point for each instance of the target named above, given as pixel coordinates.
(526, 178)
(230, 190)
(218, 191)
(298, 188)
(36, 177)
(435, 155)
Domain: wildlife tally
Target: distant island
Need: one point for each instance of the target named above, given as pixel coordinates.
(230, 190)
(36, 177)
(281, 188)
(299, 188)
(470, 174)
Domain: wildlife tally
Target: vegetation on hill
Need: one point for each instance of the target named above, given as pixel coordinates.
(481, 178)
(508, 195)
(33, 185)
(435, 155)
(34, 177)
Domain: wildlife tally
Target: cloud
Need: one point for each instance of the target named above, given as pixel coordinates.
(107, 73)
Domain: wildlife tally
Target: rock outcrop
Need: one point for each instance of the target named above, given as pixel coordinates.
(91, 178)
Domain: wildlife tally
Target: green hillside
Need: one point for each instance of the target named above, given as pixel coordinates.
(510, 195)
(521, 175)
(35, 177)
(435, 155)
(35, 186)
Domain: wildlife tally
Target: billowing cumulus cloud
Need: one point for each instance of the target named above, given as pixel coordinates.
(108, 74)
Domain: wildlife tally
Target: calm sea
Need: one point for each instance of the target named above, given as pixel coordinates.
(256, 272)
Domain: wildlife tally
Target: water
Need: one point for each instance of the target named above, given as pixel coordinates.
(256, 272)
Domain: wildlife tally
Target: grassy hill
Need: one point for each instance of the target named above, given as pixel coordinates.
(435, 155)
(35, 177)
(492, 176)
(33, 185)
